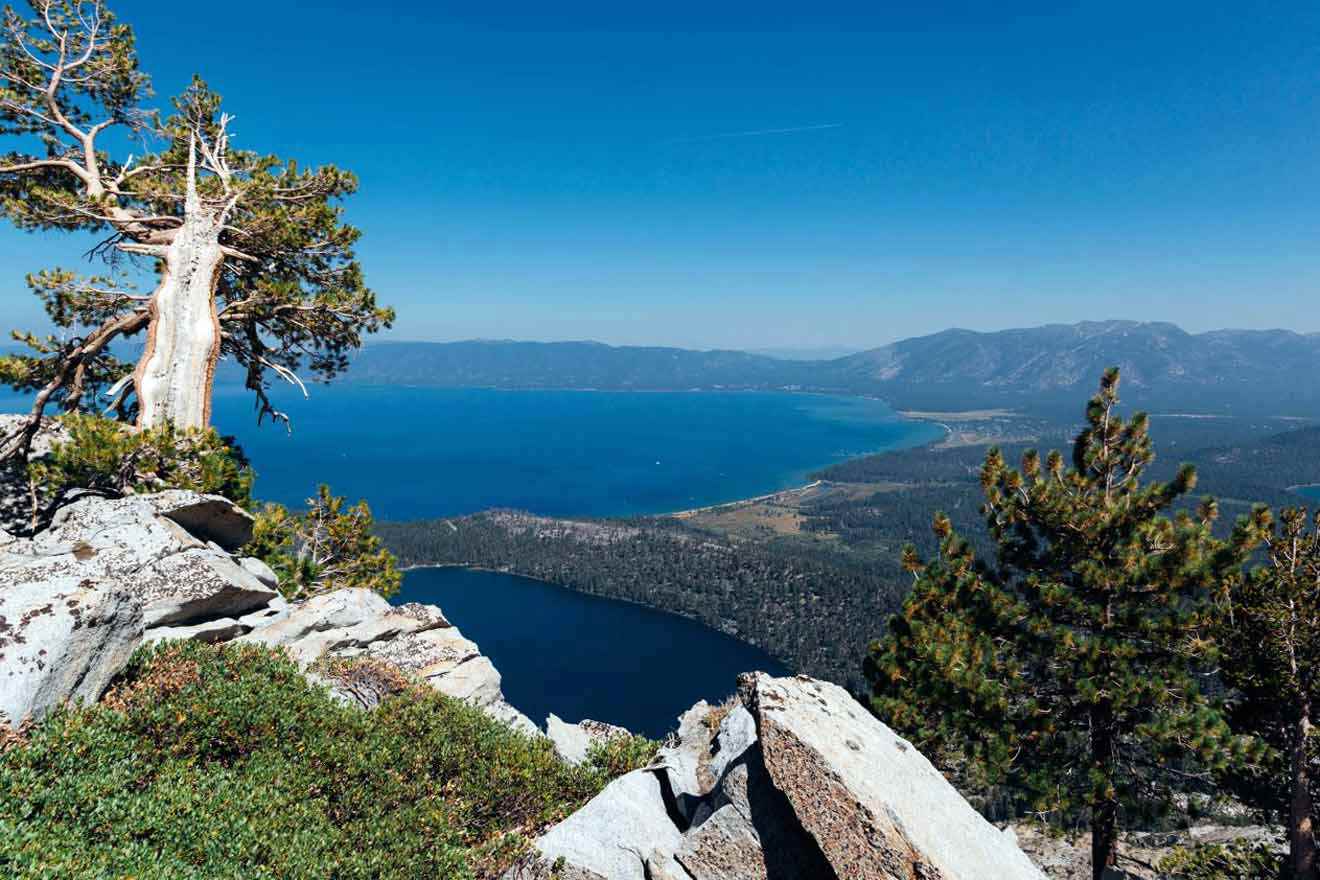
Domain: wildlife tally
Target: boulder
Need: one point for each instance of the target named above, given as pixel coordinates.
(447, 661)
(747, 829)
(62, 639)
(412, 638)
(260, 570)
(116, 537)
(221, 629)
(502, 711)
(344, 623)
(197, 585)
(328, 611)
(574, 741)
(709, 738)
(623, 833)
(207, 517)
(272, 612)
(873, 803)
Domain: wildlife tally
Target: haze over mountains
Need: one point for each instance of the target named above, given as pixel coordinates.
(1243, 372)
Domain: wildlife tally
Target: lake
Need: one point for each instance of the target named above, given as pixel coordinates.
(427, 452)
(423, 452)
(582, 656)
(1312, 493)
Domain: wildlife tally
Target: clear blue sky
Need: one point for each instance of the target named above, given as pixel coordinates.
(746, 175)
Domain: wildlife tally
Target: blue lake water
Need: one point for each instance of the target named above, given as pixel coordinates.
(1311, 492)
(421, 452)
(426, 452)
(585, 657)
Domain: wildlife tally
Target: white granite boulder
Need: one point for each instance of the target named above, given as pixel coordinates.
(623, 833)
(206, 517)
(62, 640)
(573, 742)
(873, 803)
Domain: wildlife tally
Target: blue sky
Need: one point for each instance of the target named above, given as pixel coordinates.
(812, 174)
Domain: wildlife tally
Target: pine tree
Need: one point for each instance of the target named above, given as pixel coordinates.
(329, 546)
(251, 257)
(1271, 647)
(1068, 669)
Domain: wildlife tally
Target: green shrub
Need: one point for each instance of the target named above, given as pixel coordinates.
(109, 457)
(621, 754)
(329, 546)
(224, 762)
(1240, 860)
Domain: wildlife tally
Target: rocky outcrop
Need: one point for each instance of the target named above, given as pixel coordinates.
(183, 577)
(792, 781)
(623, 833)
(110, 574)
(573, 742)
(412, 638)
(62, 640)
(874, 804)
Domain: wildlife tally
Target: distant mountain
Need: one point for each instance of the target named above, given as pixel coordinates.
(508, 364)
(1040, 369)
(823, 353)
(1163, 366)
(1046, 370)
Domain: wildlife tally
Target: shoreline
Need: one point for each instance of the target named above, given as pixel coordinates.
(741, 502)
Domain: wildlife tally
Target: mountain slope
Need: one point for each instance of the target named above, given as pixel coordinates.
(1163, 365)
(509, 364)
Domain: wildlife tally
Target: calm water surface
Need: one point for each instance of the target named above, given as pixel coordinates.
(416, 452)
(426, 452)
(586, 657)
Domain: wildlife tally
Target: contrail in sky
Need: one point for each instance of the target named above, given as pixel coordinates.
(757, 133)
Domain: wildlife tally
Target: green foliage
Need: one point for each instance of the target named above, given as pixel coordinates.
(1271, 648)
(621, 754)
(224, 762)
(108, 457)
(327, 547)
(291, 294)
(1240, 860)
(1068, 670)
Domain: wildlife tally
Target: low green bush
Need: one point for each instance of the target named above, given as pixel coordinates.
(1230, 861)
(621, 754)
(224, 762)
(109, 457)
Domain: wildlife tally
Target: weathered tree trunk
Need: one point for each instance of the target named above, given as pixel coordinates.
(173, 379)
(1301, 834)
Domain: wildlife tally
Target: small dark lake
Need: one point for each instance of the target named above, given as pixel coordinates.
(583, 656)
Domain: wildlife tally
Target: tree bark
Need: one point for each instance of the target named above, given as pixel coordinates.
(173, 379)
(1301, 836)
(1104, 807)
(1104, 837)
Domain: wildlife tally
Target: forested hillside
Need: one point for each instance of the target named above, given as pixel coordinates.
(815, 593)
(813, 609)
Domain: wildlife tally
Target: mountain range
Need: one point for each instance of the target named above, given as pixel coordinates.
(1039, 369)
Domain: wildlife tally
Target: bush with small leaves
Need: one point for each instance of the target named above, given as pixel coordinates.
(111, 458)
(618, 755)
(224, 762)
(1241, 860)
